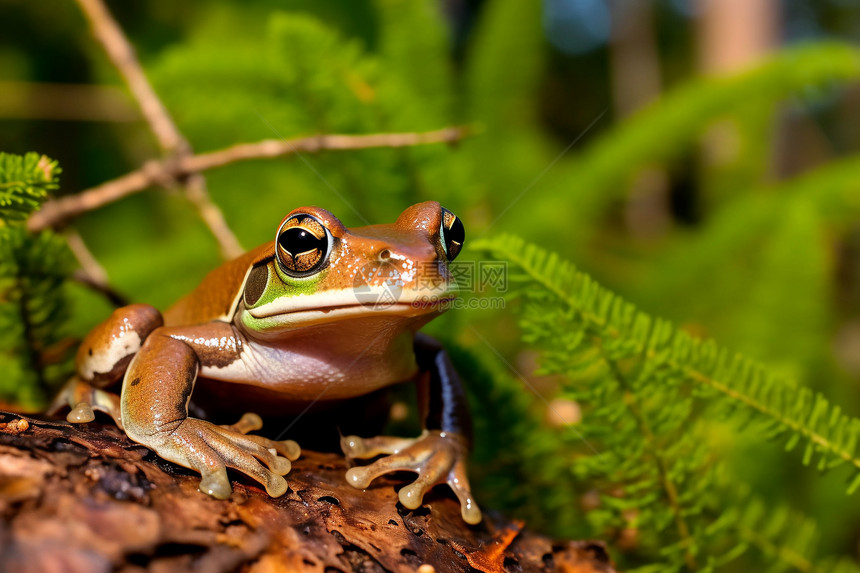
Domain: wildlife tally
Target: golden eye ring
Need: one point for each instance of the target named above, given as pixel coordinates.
(302, 246)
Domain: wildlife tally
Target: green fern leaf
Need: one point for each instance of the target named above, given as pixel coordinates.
(735, 378)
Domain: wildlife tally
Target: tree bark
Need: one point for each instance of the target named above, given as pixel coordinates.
(86, 499)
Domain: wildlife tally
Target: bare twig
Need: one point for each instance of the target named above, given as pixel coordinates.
(163, 172)
(85, 258)
(91, 273)
(172, 142)
(180, 164)
(269, 148)
(198, 194)
(121, 53)
(106, 290)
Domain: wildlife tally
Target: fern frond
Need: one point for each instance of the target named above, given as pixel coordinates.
(25, 183)
(669, 352)
(785, 537)
(33, 269)
(33, 307)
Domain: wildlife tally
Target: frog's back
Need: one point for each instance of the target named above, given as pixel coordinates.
(216, 296)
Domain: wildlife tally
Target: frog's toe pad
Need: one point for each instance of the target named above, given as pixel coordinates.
(437, 458)
(289, 449)
(247, 423)
(216, 484)
(81, 414)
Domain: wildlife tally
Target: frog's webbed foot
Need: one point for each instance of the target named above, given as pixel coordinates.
(211, 449)
(437, 457)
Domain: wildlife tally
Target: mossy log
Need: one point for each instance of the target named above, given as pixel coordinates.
(86, 499)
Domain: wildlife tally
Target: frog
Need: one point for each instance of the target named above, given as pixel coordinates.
(321, 314)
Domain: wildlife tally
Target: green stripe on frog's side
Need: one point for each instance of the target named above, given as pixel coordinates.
(321, 310)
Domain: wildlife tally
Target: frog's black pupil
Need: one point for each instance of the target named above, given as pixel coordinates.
(457, 232)
(297, 241)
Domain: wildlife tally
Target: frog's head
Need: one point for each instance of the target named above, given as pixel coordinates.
(318, 271)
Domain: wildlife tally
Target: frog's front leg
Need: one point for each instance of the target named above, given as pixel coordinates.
(101, 361)
(155, 395)
(439, 454)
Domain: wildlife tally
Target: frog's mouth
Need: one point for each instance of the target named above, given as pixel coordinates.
(354, 303)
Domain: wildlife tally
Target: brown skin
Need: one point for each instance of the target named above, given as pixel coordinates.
(285, 319)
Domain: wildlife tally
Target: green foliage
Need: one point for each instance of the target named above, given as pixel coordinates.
(739, 262)
(309, 79)
(648, 387)
(666, 129)
(762, 265)
(24, 184)
(515, 461)
(33, 270)
(786, 539)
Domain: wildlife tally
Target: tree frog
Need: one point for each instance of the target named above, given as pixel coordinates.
(321, 314)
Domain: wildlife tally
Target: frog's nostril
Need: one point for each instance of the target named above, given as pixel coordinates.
(385, 254)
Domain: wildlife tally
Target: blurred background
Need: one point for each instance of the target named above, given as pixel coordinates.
(700, 158)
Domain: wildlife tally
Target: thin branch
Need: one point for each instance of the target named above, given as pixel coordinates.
(85, 258)
(165, 172)
(106, 290)
(173, 143)
(198, 194)
(121, 53)
(181, 165)
(91, 273)
(280, 147)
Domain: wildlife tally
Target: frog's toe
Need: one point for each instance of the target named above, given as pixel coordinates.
(289, 448)
(81, 414)
(458, 481)
(286, 448)
(412, 495)
(241, 454)
(215, 483)
(355, 447)
(247, 423)
(361, 476)
(250, 422)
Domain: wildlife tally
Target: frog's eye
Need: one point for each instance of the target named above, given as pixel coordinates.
(452, 234)
(303, 245)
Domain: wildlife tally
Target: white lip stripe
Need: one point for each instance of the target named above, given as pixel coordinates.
(345, 298)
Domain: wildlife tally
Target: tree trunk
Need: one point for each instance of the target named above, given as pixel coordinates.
(86, 499)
